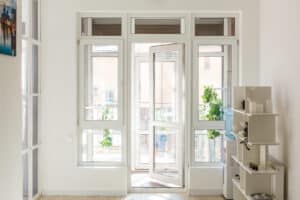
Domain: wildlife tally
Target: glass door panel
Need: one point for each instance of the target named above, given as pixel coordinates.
(25, 177)
(165, 155)
(165, 105)
(35, 172)
(214, 77)
(167, 139)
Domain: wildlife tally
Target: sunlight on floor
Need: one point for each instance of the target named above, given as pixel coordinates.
(144, 180)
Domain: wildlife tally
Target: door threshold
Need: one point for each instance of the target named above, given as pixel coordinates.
(157, 190)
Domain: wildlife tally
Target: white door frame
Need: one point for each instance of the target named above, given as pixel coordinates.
(156, 39)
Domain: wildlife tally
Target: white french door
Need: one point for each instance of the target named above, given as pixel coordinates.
(167, 142)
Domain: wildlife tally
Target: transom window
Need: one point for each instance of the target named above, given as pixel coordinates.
(217, 26)
(157, 25)
(101, 26)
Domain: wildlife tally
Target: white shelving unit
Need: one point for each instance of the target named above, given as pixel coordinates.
(256, 129)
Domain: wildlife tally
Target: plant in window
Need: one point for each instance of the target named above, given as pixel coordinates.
(106, 113)
(107, 139)
(212, 134)
(213, 108)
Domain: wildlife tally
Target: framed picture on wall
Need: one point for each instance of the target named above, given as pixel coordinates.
(8, 32)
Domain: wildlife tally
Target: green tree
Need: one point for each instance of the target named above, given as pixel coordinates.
(107, 139)
(214, 111)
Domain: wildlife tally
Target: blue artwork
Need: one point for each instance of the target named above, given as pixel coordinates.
(8, 26)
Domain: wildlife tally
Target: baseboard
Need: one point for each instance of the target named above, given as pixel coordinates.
(205, 192)
(85, 193)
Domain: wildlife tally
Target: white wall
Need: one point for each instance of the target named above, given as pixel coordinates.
(206, 181)
(280, 68)
(60, 172)
(10, 129)
(10, 126)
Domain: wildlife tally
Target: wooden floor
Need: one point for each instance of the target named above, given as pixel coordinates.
(138, 197)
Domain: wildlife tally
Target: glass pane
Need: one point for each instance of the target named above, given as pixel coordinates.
(165, 149)
(35, 120)
(209, 27)
(25, 177)
(35, 172)
(142, 100)
(209, 145)
(101, 145)
(102, 84)
(143, 95)
(105, 49)
(210, 49)
(143, 148)
(25, 17)
(142, 85)
(24, 67)
(24, 122)
(158, 26)
(210, 88)
(35, 19)
(35, 69)
(165, 86)
(107, 26)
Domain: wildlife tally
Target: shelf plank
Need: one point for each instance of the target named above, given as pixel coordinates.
(270, 171)
(248, 197)
(237, 184)
(243, 112)
(255, 143)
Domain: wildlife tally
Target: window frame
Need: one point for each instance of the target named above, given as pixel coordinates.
(98, 124)
(28, 42)
(83, 76)
(187, 37)
(197, 40)
(204, 124)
